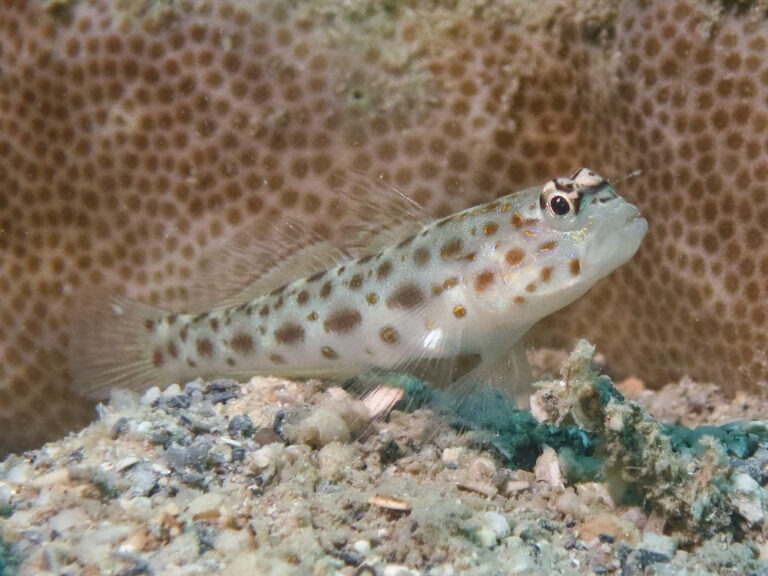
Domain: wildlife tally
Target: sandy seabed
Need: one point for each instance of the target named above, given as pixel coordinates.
(267, 478)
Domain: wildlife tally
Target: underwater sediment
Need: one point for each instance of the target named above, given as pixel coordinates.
(137, 137)
(267, 478)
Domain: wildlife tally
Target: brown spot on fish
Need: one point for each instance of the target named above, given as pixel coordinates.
(437, 290)
(514, 256)
(191, 363)
(405, 242)
(214, 324)
(231, 362)
(575, 266)
(483, 280)
(470, 257)
(242, 342)
(490, 228)
(302, 298)
(183, 333)
(516, 220)
(157, 358)
(548, 246)
(276, 359)
(546, 273)
(149, 324)
(316, 276)
(459, 311)
(519, 300)
(366, 259)
(356, 282)
(384, 270)
(341, 270)
(312, 316)
(204, 347)
(343, 321)
(289, 333)
(372, 298)
(172, 319)
(451, 250)
(406, 297)
(325, 291)
(389, 335)
(279, 303)
(329, 353)
(491, 207)
(264, 311)
(531, 287)
(173, 352)
(450, 282)
(421, 256)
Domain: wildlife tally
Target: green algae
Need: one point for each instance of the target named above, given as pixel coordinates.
(684, 474)
(9, 561)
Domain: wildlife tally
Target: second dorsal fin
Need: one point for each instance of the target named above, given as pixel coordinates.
(378, 215)
(265, 254)
(259, 258)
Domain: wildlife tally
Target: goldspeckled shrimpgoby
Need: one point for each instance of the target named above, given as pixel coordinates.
(415, 290)
(135, 140)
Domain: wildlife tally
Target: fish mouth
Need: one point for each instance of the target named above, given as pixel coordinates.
(638, 220)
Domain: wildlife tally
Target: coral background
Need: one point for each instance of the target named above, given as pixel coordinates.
(136, 137)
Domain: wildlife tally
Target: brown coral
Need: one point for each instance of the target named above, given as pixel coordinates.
(130, 143)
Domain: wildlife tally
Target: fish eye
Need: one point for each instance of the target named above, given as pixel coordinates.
(560, 205)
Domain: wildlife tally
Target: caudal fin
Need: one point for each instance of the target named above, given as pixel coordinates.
(111, 347)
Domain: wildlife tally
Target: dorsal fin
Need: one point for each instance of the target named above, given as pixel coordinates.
(381, 215)
(265, 255)
(262, 256)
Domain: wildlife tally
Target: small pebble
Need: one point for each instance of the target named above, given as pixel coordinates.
(362, 547)
(497, 523)
(452, 456)
(658, 545)
(240, 426)
(748, 497)
(19, 474)
(120, 427)
(548, 470)
(59, 476)
(206, 506)
(180, 401)
(238, 454)
(172, 391)
(150, 396)
(143, 478)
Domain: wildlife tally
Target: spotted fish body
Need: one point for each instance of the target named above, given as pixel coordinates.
(473, 282)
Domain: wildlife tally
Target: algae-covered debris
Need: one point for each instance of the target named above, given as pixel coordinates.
(685, 475)
(9, 562)
(706, 480)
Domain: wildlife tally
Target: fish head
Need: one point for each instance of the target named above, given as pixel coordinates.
(591, 222)
(561, 239)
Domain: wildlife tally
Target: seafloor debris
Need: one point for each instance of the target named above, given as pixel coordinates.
(685, 475)
(248, 478)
